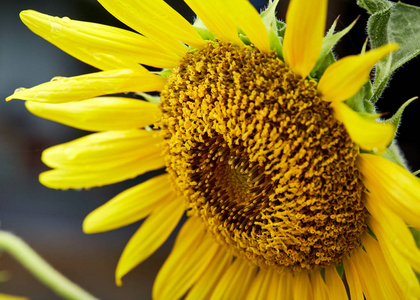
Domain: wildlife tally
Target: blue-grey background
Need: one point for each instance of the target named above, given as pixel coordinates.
(50, 221)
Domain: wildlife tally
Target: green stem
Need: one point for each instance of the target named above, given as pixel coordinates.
(40, 268)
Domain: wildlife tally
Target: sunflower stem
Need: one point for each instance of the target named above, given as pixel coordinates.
(40, 268)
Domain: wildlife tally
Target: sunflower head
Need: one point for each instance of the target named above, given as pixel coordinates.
(271, 146)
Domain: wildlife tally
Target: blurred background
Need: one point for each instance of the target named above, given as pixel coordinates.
(50, 221)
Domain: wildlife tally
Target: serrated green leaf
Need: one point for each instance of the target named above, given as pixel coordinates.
(268, 16)
(392, 22)
(396, 118)
(330, 40)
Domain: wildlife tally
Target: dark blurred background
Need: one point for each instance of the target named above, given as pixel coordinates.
(50, 221)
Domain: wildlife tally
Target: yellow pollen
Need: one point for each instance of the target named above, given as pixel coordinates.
(260, 158)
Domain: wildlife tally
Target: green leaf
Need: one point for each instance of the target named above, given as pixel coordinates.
(392, 22)
(326, 56)
(268, 16)
(275, 43)
(149, 98)
(395, 119)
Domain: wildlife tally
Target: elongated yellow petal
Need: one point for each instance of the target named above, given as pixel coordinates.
(320, 288)
(392, 230)
(260, 286)
(235, 283)
(275, 286)
(304, 34)
(156, 20)
(176, 278)
(335, 284)
(99, 114)
(189, 237)
(80, 178)
(285, 286)
(353, 280)
(368, 278)
(345, 77)
(149, 237)
(393, 185)
(103, 150)
(211, 276)
(217, 19)
(246, 17)
(104, 47)
(369, 134)
(396, 267)
(386, 277)
(302, 287)
(62, 89)
(130, 206)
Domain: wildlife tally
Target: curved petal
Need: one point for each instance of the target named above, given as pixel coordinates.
(103, 150)
(236, 281)
(368, 278)
(99, 114)
(154, 231)
(104, 47)
(179, 273)
(393, 185)
(217, 19)
(320, 288)
(284, 285)
(79, 178)
(335, 284)
(261, 285)
(130, 206)
(353, 280)
(62, 89)
(369, 134)
(304, 34)
(392, 231)
(345, 77)
(189, 237)
(205, 285)
(398, 269)
(302, 288)
(156, 20)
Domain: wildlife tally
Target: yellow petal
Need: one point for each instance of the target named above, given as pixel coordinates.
(104, 47)
(99, 114)
(246, 17)
(285, 285)
(304, 34)
(103, 150)
(217, 19)
(393, 185)
(149, 237)
(302, 288)
(335, 284)
(175, 278)
(392, 231)
(156, 20)
(345, 77)
(130, 206)
(369, 134)
(235, 283)
(275, 286)
(320, 288)
(189, 237)
(396, 266)
(261, 285)
(368, 278)
(208, 280)
(61, 89)
(353, 280)
(78, 179)
(386, 277)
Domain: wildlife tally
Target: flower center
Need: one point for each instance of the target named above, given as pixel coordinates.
(260, 158)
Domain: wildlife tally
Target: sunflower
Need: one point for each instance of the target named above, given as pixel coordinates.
(282, 168)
